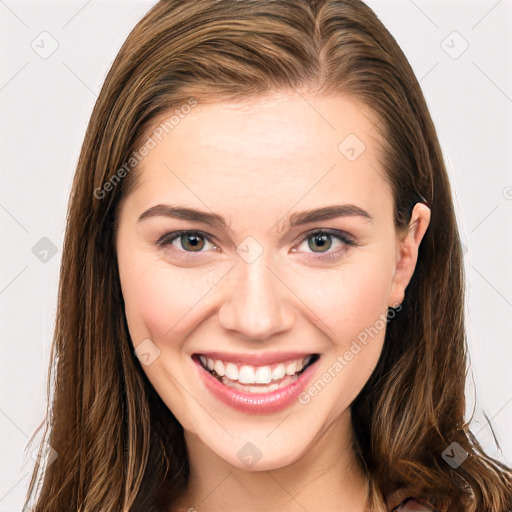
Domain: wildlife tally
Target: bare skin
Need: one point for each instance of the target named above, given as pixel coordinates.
(256, 163)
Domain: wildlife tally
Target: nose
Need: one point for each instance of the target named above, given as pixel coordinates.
(257, 303)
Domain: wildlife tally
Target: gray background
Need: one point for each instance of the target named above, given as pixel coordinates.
(54, 58)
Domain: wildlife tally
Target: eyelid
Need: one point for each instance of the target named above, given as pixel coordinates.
(347, 242)
(335, 233)
(172, 235)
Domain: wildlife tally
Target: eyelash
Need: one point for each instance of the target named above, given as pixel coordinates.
(169, 238)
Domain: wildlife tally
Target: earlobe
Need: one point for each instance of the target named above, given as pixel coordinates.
(407, 252)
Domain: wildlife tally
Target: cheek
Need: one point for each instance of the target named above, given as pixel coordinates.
(349, 298)
(160, 302)
(352, 301)
(165, 303)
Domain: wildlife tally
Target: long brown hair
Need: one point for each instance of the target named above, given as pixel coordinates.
(119, 447)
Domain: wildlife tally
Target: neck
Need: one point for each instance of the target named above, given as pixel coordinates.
(327, 477)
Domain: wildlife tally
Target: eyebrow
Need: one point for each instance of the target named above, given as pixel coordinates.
(217, 221)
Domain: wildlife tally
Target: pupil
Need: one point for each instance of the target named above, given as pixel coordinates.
(322, 239)
(193, 240)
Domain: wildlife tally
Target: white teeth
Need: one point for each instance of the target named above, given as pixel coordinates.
(278, 372)
(263, 375)
(231, 371)
(248, 374)
(259, 389)
(219, 368)
(291, 368)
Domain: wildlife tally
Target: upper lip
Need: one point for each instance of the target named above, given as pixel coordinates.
(255, 359)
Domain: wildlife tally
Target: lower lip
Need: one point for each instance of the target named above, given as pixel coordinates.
(257, 403)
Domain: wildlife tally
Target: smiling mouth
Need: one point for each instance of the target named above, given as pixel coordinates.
(256, 379)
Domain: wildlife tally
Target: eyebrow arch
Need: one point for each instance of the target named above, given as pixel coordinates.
(328, 212)
(217, 221)
(184, 213)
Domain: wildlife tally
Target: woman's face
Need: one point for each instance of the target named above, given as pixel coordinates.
(258, 287)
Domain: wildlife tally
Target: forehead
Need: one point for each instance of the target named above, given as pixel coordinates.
(280, 128)
(273, 152)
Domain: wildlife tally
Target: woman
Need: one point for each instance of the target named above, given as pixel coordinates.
(209, 353)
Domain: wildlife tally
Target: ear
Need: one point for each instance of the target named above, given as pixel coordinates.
(407, 246)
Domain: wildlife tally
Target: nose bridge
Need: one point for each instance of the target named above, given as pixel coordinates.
(256, 304)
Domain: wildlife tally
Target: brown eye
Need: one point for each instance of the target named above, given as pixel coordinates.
(185, 241)
(321, 240)
(192, 242)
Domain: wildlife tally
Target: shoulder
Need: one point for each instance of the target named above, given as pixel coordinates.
(413, 505)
